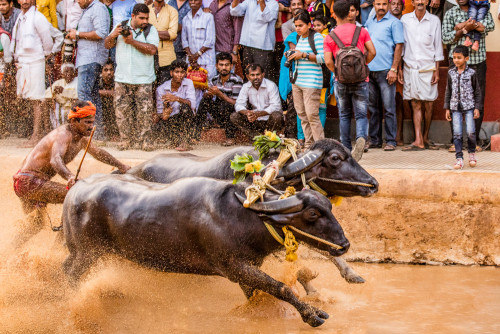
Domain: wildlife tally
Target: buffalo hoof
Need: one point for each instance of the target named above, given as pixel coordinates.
(354, 279)
(316, 317)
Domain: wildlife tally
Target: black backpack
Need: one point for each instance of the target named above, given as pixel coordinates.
(326, 72)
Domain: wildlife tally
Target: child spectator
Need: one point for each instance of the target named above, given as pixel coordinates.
(107, 93)
(62, 95)
(477, 12)
(463, 98)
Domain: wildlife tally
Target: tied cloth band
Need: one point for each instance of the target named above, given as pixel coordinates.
(82, 112)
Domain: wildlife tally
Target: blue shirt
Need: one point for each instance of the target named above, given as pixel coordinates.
(258, 29)
(183, 11)
(385, 34)
(94, 18)
(122, 10)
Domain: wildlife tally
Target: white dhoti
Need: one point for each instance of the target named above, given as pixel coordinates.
(417, 84)
(31, 80)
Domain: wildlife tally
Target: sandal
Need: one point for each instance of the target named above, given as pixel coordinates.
(412, 148)
(431, 147)
(389, 147)
(452, 149)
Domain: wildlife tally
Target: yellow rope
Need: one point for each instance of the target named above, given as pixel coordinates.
(331, 244)
(291, 245)
(317, 188)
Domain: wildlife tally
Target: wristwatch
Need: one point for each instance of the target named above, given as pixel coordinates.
(305, 55)
(199, 53)
(77, 34)
(235, 53)
(394, 70)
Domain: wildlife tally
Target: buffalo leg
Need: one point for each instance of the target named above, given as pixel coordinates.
(304, 277)
(76, 264)
(248, 291)
(254, 278)
(346, 271)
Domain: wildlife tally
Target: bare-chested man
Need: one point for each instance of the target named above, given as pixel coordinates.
(49, 157)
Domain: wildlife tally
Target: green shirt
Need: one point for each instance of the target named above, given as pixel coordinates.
(132, 66)
(455, 16)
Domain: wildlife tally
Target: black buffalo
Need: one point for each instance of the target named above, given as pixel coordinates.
(326, 160)
(194, 225)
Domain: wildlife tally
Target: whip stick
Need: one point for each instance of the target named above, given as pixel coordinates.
(84, 153)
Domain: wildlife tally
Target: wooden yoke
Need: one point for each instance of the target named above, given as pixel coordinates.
(258, 187)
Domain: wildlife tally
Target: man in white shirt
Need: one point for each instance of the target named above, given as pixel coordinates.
(262, 95)
(31, 44)
(198, 38)
(423, 51)
(258, 31)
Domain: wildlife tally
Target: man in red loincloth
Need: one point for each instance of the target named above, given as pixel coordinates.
(49, 157)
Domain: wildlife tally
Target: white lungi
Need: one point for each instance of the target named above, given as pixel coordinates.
(417, 84)
(31, 80)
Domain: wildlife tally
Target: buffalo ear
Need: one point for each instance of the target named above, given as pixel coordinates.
(279, 219)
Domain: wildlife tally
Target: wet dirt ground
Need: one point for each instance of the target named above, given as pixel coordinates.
(118, 296)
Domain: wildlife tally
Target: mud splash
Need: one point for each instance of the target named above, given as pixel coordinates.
(117, 296)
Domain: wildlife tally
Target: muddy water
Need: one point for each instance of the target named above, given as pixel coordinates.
(117, 296)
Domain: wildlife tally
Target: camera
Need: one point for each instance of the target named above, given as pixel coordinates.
(125, 29)
(288, 54)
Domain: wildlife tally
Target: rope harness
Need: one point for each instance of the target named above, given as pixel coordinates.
(290, 243)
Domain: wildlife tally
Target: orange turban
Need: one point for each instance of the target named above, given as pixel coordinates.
(82, 112)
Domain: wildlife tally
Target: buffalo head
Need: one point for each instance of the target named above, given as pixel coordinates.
(309, 211)
(328, 160)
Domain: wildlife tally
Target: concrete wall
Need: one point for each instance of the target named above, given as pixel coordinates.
(425, 217)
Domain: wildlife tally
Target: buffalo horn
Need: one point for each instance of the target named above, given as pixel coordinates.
(290, 204)
(302, 165)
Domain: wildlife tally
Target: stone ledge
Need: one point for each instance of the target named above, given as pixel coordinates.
(426, 217)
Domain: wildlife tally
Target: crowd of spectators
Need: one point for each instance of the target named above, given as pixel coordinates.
(160, 71)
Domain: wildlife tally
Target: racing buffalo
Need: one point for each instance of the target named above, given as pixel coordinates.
(326, 161)
(194, 225)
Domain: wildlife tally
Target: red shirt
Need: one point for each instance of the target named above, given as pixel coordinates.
(345, 33)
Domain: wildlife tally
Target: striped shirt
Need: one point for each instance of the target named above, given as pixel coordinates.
(309, 74)
(231, 87)
(199, 31)
(227, 27)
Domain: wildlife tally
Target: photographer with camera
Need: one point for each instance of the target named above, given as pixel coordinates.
(136, 44)
(307, 80)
